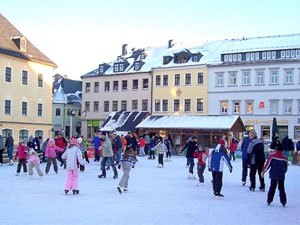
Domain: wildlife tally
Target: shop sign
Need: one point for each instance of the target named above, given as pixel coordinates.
(267, 121)
(93, 123)
(261, 105)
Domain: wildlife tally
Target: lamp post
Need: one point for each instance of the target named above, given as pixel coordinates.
(72, 114)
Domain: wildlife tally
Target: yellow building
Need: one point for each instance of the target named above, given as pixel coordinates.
(25, 86)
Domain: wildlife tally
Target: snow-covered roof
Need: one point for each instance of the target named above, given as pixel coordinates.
(67, 91)
(191, 122)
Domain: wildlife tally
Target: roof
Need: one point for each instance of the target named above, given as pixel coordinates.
(123, 121)
(67, 91)
(193, 122)
(8, 46)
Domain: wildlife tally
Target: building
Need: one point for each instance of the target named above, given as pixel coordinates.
(66, 106)
(25, 86)
(258, 79)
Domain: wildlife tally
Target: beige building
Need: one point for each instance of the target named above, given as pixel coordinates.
(25, 86)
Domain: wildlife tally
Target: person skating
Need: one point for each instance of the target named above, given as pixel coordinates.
(161, 148)
(34, 161)
(21, 155)
(245, 145)
(61, 142)
(201, 164)
(50, 153)
(151, 148)
(215, 164)
(127, 161)
(168, 152)
(191, 148)
(9, 144)
(278, 165)
(83, 145)
(96, 142)
(73, 156)
(2, 148)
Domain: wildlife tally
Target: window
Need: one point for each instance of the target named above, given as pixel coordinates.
(40, 110)
(145, 83)
(246, 77)
(87, 106)
(87, 87)
(7, 74)
(247, 56)
(264, 55)
(96, 87)
(287, 53)
(274, 107)
(219, 80)
(5, 133)
(157, 80)
(260, 78)
(135, 84)
(115, 85)
(293, 53)
(40, 80)
(274, 77)
(39, 133)
(124, 105)
(273, 55)
(249, 107)
(287, 106)
(176, 105)
(177, 80)
(226, 58)
(157, 105)
(230, 58)
(24, 108)
(252, 56)
(137, 66)
(115, 106)
(234, 57)
(145, 105)
(236, 107)
(200, 78)
(101, 69)
(298, 106)
(265, 132)
(187, 79)
(106, 86)
(57, 111)
(224, 107)
(96, 106)
(298, 53)
(24, 77)
(288, 77)
(232, 79)
(239, 57)
(23, 135)
(199, 106)
(106, 106)
(124, 85)
(269, 55)
(256, 55)
(282, 54)
(7, 107)
(165, 105)
(134, 105)
(297, 132)
(121, 67)
(165, 80)
(187, 105)
(117, 67)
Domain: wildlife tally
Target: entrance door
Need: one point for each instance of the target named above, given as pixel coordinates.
(283, 132)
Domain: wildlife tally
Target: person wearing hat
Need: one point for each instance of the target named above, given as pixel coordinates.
(215, 164)
(191, 148)
(202, 156)
(34, 161)
(21, 155)
(60, 142)
(278, 165)
(107, 155)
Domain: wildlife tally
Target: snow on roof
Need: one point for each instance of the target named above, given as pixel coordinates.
(189, 122)
(59, 96)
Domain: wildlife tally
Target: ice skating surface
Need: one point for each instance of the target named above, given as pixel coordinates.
(162, 196)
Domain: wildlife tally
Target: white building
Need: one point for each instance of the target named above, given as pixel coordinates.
(259, 79)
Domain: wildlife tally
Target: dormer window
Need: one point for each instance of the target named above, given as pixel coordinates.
(116, 67)
(101, 69)
(20, 43)
(167, 59)
(137, 66)
(180, 58)
(121, 67)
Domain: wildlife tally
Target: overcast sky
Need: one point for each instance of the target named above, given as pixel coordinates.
(78, 35)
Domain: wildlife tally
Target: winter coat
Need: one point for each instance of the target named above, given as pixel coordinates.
(256, 151)
(128, 158)
(298, 146)
(217, 159)
(61, 142)
(191, 148)
(2, 145)
(9, 141)
(142, 142)
(201, 156)
(72, 155)
(44, 145)
(151, 145)
(123, 142)
(147, 139)
(278, 165)
(107, 148)
(168, 144)
(161, 148)
(233, 146)
(287, 144)
(34, 159)
(96, 141)
(51, 150)
(36, 144)
(21, 152)
(245, 145)
(118, 142)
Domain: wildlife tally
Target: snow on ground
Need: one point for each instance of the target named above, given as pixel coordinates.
(162, 196)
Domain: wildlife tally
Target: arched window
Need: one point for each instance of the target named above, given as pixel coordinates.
(23, 135)
(5, 133)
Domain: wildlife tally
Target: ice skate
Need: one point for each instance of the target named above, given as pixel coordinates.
(244, 183)
(75, 192)
(125, 190)
(119, 190)
(219, 196)
(101, 176)
(251, 189)
(11, 162)
(66, 192)
(200, 184)
(191, 176)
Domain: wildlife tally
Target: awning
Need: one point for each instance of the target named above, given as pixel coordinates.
(232, 123)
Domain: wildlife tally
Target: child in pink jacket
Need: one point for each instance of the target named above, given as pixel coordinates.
(73, 156)
(21, 155)
(34, 161)
(50, 153)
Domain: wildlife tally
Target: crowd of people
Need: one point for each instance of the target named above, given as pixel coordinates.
(119, 151)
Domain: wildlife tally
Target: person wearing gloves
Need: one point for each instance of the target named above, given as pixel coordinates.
(215, 164)
(50, 153)
(73, 156)
(127, 161)
(161, 148)
(34, 161)
(21, 155)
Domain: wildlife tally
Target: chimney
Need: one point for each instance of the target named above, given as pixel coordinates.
(124, 49)
(170, 45)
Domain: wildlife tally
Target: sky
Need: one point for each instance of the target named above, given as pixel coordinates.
(78, 35)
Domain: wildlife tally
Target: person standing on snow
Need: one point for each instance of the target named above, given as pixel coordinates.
(161, 148)
(9, 144)
(202, 156)
(191, 148)
(2, 148)
(245, 144)
(215, 164)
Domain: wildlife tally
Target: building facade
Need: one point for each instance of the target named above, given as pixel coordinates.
(25, 86)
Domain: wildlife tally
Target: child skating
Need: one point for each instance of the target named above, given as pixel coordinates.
(73, 156)
(50, 153)
(161, 148)
(34, 161)
(201, 164)
(21, 155)
(128, 160)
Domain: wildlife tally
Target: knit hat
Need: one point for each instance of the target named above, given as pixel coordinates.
(202, 146)
(74, 141)
(221, 142)
(79, 140)
(103, 133)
